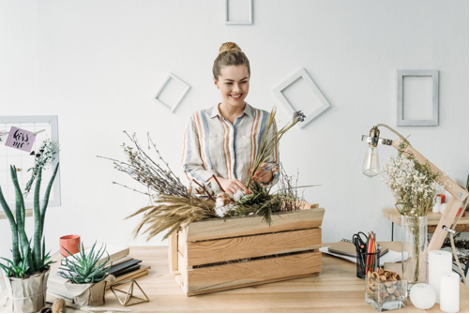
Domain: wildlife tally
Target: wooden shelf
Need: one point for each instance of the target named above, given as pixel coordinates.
(394, 216)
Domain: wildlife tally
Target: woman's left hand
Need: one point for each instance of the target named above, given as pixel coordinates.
(263, 176)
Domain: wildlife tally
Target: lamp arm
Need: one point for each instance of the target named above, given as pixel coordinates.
(399, 135)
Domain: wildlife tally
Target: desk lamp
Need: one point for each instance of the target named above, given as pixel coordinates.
(459, 194)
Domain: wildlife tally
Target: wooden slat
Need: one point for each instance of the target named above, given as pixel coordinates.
(448, 218)
(394, 216)
(173, 252)
(209, 279)
(215, 251)
(233, 227)
(183, 269)
(458, 228)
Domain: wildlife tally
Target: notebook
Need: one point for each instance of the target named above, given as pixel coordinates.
(346, 247)
(115, 253)
(124, 267)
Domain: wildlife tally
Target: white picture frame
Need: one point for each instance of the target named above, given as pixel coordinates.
(401, 74)
(185, 86)
(56, 200)
(302, 73)
(250, 14)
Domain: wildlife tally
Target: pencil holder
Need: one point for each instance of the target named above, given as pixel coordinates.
(366, 262)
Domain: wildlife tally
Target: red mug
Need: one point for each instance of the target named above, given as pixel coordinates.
(71, 243)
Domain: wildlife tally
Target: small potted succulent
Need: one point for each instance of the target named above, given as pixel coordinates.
(87, 276)
(28, 271)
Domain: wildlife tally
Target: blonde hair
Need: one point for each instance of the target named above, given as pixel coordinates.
(229, 54)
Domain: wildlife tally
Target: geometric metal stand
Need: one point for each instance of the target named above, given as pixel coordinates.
(129, 294)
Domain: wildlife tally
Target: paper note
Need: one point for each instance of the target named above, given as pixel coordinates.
(20, 139)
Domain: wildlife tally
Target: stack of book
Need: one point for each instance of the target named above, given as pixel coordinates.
(345, 249)
(123, 267)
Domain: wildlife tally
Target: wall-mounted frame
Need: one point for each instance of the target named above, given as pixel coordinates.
(401, 75)
(23, 161)
(249, 13)
(302, 73)
(181, 83)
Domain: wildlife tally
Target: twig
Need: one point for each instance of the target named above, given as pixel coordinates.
(125, 186)
(202, 187)
(218, 183)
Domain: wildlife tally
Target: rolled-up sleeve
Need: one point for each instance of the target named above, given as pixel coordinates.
(192, 162)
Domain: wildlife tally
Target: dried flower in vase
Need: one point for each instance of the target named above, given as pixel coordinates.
(413, 184)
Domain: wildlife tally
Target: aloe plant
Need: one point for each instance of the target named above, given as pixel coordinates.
(27, 260)
(84, 268)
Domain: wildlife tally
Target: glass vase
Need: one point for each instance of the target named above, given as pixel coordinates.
(414, 249)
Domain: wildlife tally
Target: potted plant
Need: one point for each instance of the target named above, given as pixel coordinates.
(87, 275)
(28, 271)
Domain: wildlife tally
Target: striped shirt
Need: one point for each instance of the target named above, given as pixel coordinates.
(212, 145)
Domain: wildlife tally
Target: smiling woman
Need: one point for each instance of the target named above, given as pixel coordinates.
(221, 142)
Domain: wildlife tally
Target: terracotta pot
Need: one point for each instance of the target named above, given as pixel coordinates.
(28, 295)
(71, 243)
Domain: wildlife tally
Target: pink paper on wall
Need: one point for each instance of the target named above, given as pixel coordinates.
(20, 139)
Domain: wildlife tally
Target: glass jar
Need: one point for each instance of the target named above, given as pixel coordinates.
(414, 249)
(385, 296)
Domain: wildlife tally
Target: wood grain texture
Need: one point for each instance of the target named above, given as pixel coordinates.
(448, 218)
(335, 289)
(173, 252)
(233, 227)
(215, 278)
(433, 219)
(253, 246)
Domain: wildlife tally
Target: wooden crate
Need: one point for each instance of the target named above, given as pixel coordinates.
(222, 254)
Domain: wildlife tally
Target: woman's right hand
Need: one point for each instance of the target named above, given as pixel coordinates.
(231, 186)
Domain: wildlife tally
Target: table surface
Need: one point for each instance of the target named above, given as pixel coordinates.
(336, 289)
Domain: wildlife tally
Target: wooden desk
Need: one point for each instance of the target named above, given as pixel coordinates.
(336, 289)
(394, 216)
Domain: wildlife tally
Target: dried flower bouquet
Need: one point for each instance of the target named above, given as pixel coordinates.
(173, 206)
(413, 184)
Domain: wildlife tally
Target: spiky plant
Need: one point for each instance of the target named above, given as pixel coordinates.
(83, 268)
(26, 259)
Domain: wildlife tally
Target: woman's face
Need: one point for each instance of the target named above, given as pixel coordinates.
(234, 84)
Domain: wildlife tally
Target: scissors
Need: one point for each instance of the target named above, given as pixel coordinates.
(360, 240)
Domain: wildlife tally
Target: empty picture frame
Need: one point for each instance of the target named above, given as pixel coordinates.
(238, 12)
(318, 102)
(172, 92)
(430, 116)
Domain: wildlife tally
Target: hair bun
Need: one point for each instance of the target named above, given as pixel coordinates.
(228, 46)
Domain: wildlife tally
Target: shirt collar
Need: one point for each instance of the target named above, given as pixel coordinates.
(248, 111)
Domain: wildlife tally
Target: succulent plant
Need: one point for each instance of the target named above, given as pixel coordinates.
(26, 260)
(84, 268)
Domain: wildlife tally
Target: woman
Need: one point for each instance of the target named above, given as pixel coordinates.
(222, 141)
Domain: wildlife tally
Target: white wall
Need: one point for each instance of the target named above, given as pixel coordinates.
(98, 65)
